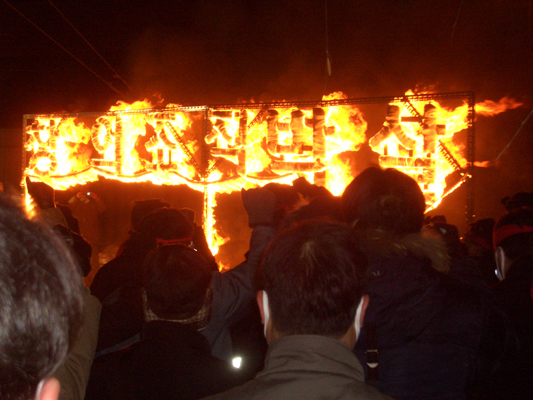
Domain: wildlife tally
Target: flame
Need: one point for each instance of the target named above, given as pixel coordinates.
(482, 164)
(417, 138)
(340, 174)
(138, 105)
(490, 108)
(245, 147)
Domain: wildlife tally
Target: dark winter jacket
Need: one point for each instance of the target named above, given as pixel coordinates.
(436, 338)
(124, 269)
(233, 294)
(127, 267)
(172, 361)
(514, 295)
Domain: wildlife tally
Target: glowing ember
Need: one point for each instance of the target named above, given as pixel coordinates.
(222, 149)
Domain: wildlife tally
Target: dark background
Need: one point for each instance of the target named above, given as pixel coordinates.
(213, 51)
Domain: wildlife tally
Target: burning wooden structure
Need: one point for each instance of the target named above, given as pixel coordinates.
(222, 148)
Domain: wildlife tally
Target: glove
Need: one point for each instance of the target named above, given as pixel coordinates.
(43, 194)
(260, 204)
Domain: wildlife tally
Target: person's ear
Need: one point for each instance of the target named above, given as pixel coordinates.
(259, 299)
(264, 309)
(501, 263)
(366, 301)
(360, 315)
(48, 390)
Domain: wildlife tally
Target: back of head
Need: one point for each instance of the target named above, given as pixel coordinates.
(40, 303)
(322, 207)
(141, 208)
(521, 200)
(176, 279)
(514, 233)
(387, 200)
(166, 224)
(314, 275)
(479, 234)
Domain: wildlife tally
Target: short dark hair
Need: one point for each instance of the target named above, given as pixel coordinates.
(322, 207)
(40, 303)
(520, 244)
(141, 208)
(176, 279)
(165, 223)
(314, 276)
(384, 199)
(519, 201)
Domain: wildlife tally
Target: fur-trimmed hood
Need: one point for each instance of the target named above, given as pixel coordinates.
(419, 245)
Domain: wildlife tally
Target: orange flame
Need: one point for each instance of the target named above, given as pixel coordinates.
(244, 148)
(489, 108)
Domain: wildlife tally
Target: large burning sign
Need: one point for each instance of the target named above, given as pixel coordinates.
(224, 148)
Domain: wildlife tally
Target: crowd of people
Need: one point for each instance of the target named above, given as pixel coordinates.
(361, 296)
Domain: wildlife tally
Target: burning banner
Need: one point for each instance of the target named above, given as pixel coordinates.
(223, 148)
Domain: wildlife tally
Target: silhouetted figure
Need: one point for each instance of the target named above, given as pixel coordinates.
(478, 242)
(232, 291)
(87, 207)
(513, 244)
(521, 200)
(163, 224)
(172, 360)
(425, 335)
(461, 266)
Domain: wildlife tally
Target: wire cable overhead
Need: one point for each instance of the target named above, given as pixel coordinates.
(108, 84)
(116, 74)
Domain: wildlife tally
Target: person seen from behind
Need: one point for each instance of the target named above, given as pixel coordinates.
(311, 283)
(513, 250)
(41, 306)
(425, 335)
(173, 359)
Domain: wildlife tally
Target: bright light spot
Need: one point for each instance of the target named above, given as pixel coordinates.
(236, 362)
(43, 164)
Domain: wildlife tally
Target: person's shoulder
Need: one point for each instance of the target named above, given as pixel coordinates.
(256, 390)
(250, 390)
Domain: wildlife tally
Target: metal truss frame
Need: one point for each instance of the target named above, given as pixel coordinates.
(407, 100)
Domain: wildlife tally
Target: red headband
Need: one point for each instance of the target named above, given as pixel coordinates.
(505, 231)
(165, 242)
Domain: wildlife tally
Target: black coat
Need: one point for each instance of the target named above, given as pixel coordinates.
(172, 361)
(514, 295)
(437, 338)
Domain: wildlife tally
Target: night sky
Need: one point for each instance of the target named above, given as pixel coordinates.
(213, 51)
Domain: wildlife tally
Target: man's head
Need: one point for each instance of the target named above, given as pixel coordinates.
(513, 239)
(387, 200)
(478, 237)
(40, 305)
(521, 200)
(141, 208)
(313, 275)
(177, 280)
(166, 224)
